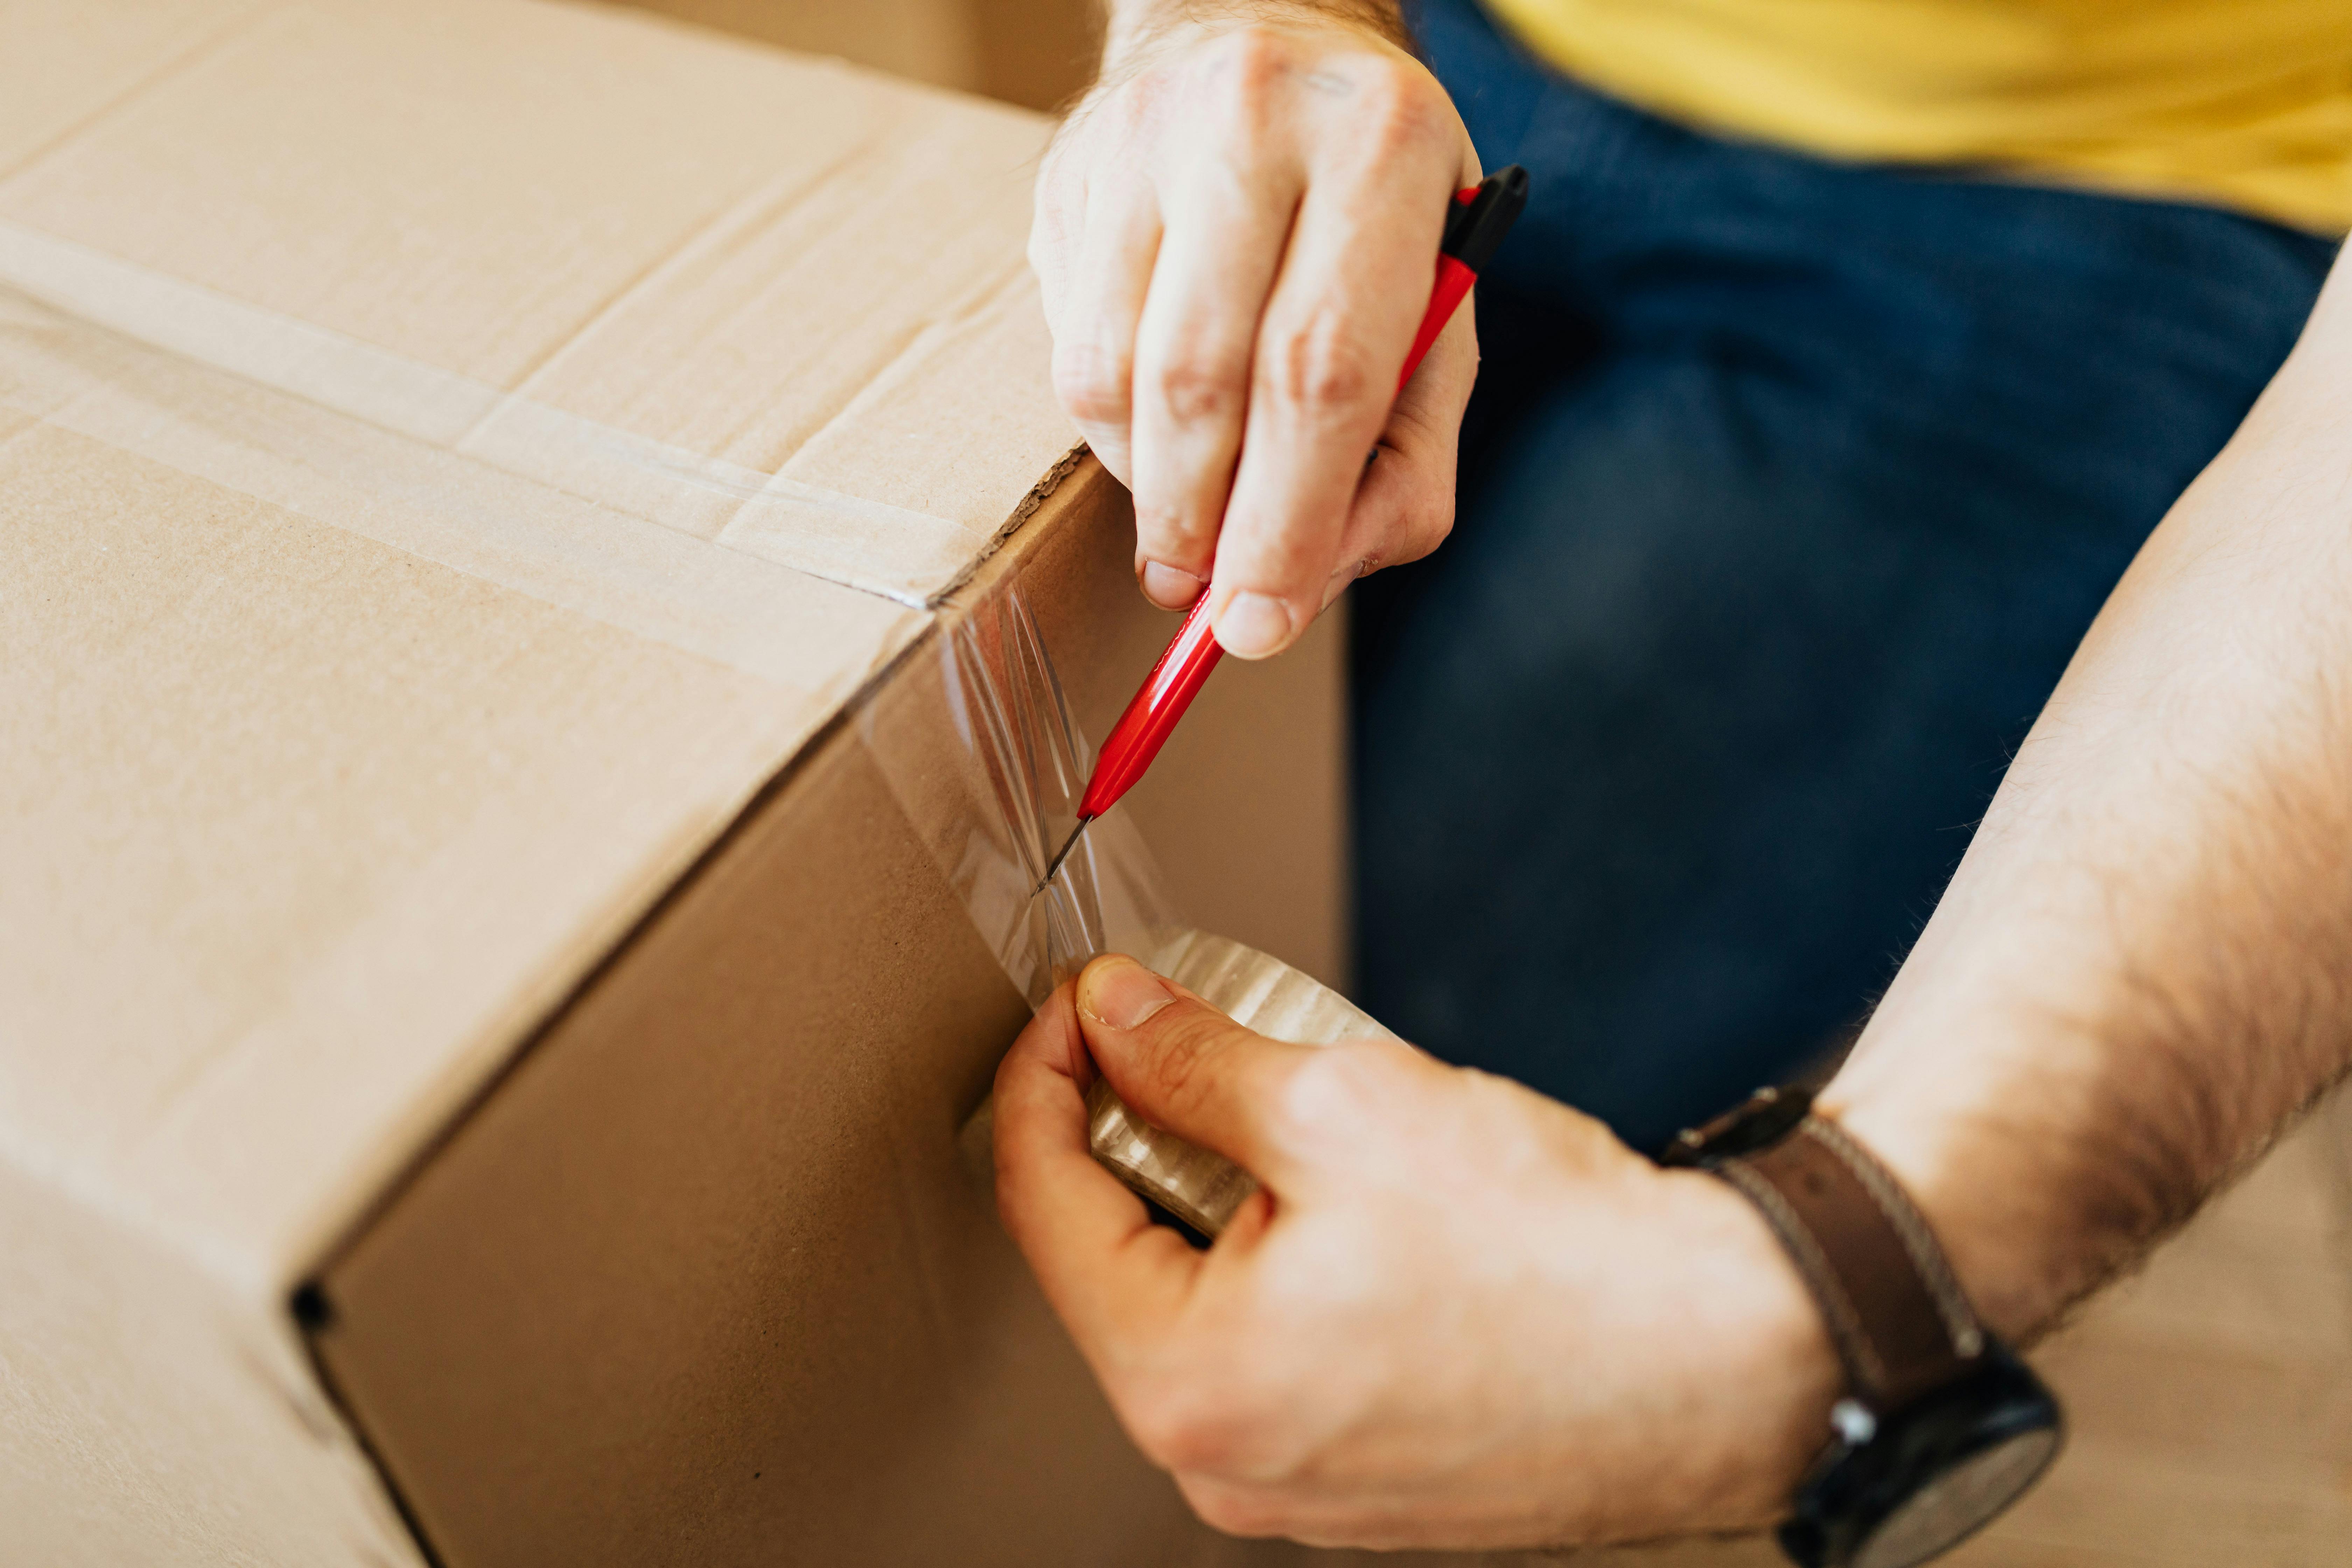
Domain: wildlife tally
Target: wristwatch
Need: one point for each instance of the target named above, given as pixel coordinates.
(1941, 1427)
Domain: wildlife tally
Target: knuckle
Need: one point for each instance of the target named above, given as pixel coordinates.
(1323, 1091)
(1180, 1425)
(1248, 61)
(1320, 368)
(1174, 534)
(1093, 383)
(1185, 1063)
(1113, 119)
(1427, 525)
(1403, 106)
(1236, 85)
(1198, 389)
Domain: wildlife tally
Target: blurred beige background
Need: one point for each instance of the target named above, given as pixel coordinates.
(1031, 52)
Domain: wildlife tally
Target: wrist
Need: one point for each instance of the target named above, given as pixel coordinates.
(1770, 1373)
(1988, 1183)
(1938, 1426)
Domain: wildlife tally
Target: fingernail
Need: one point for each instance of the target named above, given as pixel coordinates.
(1253, 625)
(1121, 994)
(1169, 587)
(1341, 579)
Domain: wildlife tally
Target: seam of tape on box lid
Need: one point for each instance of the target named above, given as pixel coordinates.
(655, 582)
(62, 372)
(808, 528)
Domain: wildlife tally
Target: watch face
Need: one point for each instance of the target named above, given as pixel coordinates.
(1953, 1504)
(1929, 1475)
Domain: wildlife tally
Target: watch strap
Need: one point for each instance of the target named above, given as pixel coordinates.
(1895, 1313)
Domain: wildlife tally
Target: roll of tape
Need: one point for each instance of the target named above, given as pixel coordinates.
(1262, 993)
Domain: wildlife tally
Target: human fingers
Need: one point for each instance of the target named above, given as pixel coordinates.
(1354, 285)
(1184, 1065)
(1057, 219)
(1227, 220)
(1103, 293)
(1111, 1275)
(1403, 508)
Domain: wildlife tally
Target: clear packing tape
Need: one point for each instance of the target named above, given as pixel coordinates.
(688, 551)
(976, 739)
(976, 742)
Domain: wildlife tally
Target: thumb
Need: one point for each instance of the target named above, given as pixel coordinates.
(1184, 1067)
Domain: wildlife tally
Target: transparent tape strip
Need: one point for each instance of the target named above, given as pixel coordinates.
(60, 375)
(979, 744)
(896, 552)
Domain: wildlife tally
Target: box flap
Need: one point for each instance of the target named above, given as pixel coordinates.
(671, 272)
(452, 456)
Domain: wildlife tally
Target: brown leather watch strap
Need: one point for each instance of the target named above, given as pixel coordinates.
(1897, 1315)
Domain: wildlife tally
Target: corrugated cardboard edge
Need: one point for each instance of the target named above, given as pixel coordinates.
(269, 1350)
(1039, 494)
(1053, 503)
(1033, 522)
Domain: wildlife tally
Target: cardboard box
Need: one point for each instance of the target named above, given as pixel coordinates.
(482, 1047)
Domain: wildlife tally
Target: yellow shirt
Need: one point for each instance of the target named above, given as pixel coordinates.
(2239, 103)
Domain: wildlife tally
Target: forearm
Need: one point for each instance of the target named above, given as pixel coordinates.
(2143, 968)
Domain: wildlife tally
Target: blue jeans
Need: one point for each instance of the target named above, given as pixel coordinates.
(1789, 488)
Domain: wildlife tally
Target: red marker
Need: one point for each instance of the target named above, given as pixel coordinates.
(1481, 216)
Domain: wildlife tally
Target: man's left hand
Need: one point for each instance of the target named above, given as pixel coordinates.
(1456, 1314)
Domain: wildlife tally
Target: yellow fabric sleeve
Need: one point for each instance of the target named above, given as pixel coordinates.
(2239, 103)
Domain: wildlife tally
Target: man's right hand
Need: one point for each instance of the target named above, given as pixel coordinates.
(1235, 233)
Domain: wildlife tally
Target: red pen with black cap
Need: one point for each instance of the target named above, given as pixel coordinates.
(1480, 216)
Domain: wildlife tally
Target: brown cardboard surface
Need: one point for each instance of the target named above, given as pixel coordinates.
(707, 1278)
(630, 260)
(149, 1416)
(333, 805)
(452, 461)
(92, 55)
(707, 1266)
(333, 228)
